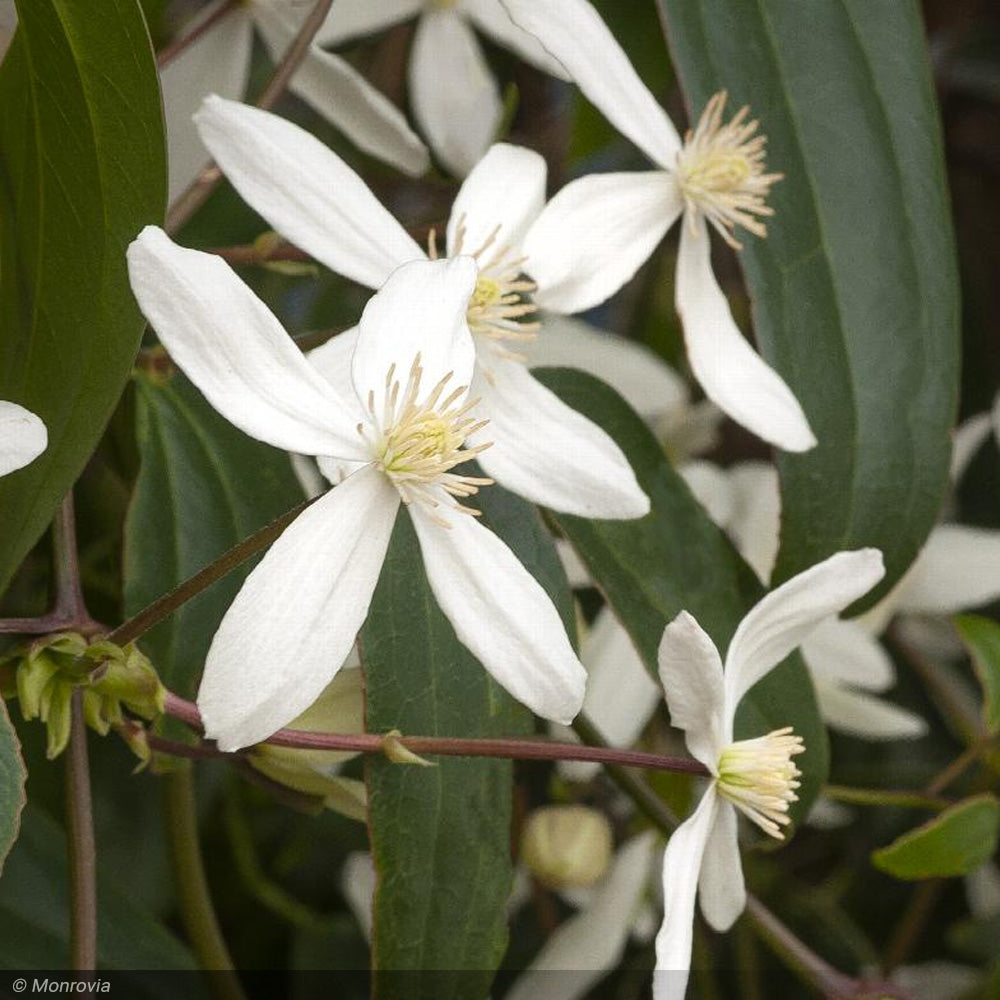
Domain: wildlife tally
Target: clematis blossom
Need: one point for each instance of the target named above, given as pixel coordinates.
(754, 776)
(404, 428)
(716, 176)
(23, 437)
(454, 96)
(541, 448)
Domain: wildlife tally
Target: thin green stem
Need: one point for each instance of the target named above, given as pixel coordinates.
(194, 898)
(886, 797)
(953, 771)
(81, 845)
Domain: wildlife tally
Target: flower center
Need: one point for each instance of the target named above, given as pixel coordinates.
(721, 172)
(759, 778)
(417, 440)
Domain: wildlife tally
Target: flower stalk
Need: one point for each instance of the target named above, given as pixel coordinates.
(81, 845)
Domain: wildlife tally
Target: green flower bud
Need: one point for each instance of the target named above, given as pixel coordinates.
(564, 846)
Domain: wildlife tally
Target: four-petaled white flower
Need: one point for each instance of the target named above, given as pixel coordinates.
(716, 176)
(23, 437)
(404, 426)
(542, 449)
(754, 776)
(454, 96)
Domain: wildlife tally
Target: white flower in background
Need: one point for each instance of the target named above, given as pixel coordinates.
(404, 426)
(756, 776)
(717, 176)
(219, 62)
(455, 99)
(23, 437)
(8, 24)
(542, 449)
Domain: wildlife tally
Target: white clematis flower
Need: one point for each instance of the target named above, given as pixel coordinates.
(23, 437)
(455, 98)
(219, 62)
(757, 776)
(716, 176)
(404, 427)
(542, 449)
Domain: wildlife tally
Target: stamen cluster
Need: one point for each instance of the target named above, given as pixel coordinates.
(720, 171)
(759, 778)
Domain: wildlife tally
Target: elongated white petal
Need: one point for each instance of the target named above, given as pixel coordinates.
(419, 312)
(844, 652)
(646, 382)
(23, 437)
(958, 568)
(455, 98)
(498, 201)
(337, 91)
(982, 890)
(218, 62)
(349, 19)
(968, 438)
(576, 572)
(591, 943)
(782, 620)
(333, 361)
(621, 695)
(308, 475)
(756, 517)
(357, 882)
(550, 454)
(730, 371)
(595, 234)
(722, 891)
(938, 980)
(305, 191)
(691, 675)
(500, 612)
(490, 17)
(232, 347)
(712, 488)
(295, 619)
(573, 32)
(681, 869)
(864, 715)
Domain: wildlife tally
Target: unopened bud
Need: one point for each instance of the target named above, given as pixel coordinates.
(566, 846)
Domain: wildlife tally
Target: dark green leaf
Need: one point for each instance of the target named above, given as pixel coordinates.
(955, 842)
(12, 778)
(675, 559)
(82, 169)
(441, 835)
(203, 486)
(982, 639)
(855, 290)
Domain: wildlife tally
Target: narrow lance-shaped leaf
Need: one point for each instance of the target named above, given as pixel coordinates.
(854, 288)
(12, 779)
(82, 169)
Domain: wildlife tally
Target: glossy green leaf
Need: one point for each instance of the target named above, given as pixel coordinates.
(854, 289)
(441, 835)
(12, 778)
(982, 639)
(953, 843)
(675, 559)
(203, 486)
(82, 169)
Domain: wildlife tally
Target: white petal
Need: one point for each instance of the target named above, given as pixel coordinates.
(490, 17)
(419, 311)
(756, 519)
(595, 234)
(295, 619)
(573, 566)
(455, 98)
(712, 488)
(828, 815)
(305, 191)
(357, 882)
(844, 652)
(333, 361)
(864, 715)
(967, 439)
(938, 980)
(644, 380)
(232, 347)
(958, 569)
(354, 18)
(216, 63)
(308, 475)
(691, 675)
(548, 452)
(573, 32)
(982, 889)
(505, 189)
(787, 616)
(592, 943)
(681, 869)
(501, 613)
(23, 437)
(621, 695)
(732, 374)
(721, 889)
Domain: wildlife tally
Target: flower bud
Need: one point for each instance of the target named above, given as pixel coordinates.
(566, 846)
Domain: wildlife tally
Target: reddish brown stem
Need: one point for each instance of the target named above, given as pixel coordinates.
(170, 52)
